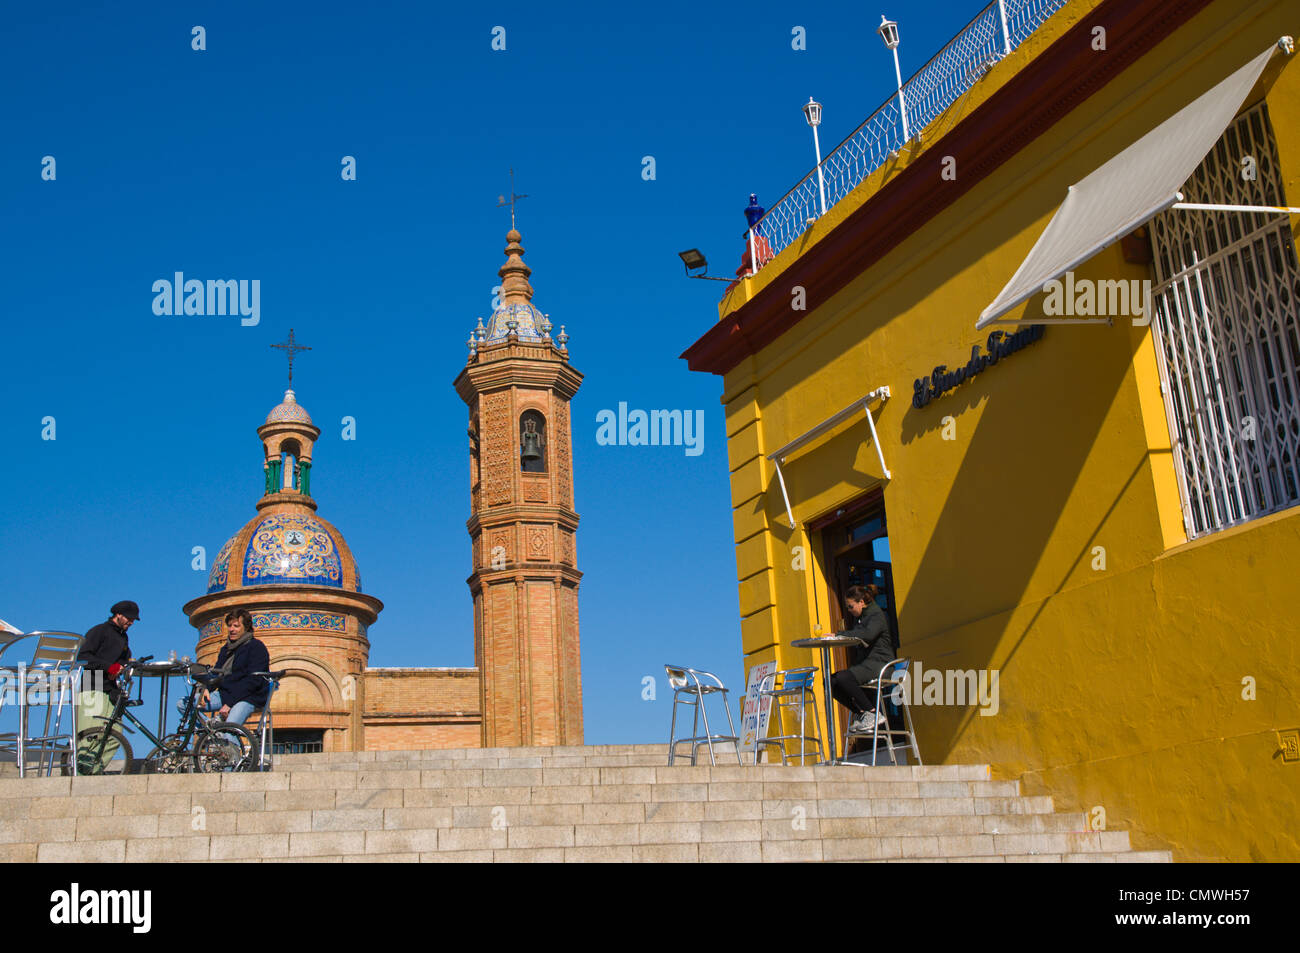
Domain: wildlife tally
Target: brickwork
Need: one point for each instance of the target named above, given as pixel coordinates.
(542, 650)
(414, 708)
(523, 551)
(571, 671)
(398, 690)
(503, 702)
(415, 737)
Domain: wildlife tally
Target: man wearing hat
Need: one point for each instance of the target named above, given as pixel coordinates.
(104, 650)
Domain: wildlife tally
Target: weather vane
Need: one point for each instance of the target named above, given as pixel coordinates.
(290, 347)
(502, 203)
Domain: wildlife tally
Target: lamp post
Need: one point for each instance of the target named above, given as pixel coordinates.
(888, 31)
(812, 110)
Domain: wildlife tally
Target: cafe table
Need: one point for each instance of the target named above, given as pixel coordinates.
(826, 643)
(164, 670)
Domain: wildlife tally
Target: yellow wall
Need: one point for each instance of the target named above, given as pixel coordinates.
(1119, 687)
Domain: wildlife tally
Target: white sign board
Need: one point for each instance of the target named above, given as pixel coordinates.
(753, 717)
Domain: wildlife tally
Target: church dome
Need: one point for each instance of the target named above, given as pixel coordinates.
(285, 546)
(527, 319)
(288, 411)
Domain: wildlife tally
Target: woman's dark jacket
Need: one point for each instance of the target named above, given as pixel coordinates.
(872, 627)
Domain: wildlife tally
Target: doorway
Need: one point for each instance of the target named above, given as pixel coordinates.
(856, 552)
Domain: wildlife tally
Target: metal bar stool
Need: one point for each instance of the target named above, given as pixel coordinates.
(50, 671)
(892, 681)
(263, 731)
(688, 689)
(795, 693)
(54, 689)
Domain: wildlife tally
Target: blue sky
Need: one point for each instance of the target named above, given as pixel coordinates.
(225, 163)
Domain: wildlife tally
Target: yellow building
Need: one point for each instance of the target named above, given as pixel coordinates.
(1093, 497)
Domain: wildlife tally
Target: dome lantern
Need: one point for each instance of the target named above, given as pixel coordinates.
(287, 440)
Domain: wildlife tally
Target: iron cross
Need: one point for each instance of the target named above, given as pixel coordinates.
(290, 347)
(502, 203)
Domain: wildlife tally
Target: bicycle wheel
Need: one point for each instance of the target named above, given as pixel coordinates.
(90, 749)
(223, 748)
(171, 757)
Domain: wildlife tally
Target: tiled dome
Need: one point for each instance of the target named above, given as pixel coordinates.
(289, 548)
(527, 318)
(288, 411)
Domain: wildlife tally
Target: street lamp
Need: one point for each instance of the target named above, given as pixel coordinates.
(888, 31)
(812, 111)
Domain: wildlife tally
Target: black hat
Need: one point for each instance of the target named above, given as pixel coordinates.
(127, 608)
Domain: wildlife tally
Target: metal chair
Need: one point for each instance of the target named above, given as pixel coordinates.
(263, 731)
(795, 694)
(9, 684)
(690, 687)
(9, 639)
(52, 670)
(892, 683)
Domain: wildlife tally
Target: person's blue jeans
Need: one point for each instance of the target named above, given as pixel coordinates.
(239, 711)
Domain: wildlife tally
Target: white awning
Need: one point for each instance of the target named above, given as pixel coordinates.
(834, 420)
(1130, 189)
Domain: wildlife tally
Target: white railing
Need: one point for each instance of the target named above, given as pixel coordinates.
(997, 30)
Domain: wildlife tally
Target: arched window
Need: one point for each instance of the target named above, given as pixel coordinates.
(532, 442)
(289, 453)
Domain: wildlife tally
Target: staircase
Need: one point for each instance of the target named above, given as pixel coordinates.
(611, 803)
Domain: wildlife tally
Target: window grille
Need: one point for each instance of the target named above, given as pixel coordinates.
(1227, 341)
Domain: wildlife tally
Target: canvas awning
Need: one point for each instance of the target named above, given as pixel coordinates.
(1130, 188)
(778, 456)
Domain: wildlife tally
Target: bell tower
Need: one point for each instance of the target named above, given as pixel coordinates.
(517, 384)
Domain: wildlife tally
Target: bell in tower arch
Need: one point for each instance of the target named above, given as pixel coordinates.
(532, 442)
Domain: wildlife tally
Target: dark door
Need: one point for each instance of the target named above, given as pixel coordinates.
(857, 550)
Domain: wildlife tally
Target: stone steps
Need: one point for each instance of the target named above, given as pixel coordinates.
(560, 804)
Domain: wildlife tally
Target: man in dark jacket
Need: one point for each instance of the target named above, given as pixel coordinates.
(868, 622)
(239, 691)
(104, 650)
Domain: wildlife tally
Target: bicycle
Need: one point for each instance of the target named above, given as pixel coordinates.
(216, 745)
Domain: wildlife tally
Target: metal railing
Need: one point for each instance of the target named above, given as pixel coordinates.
(997, 30)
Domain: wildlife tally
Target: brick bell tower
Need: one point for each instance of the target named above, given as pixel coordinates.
(518, 383)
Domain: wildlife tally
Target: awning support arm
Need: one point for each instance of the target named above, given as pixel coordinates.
(778, 456)
(1202, 207)
(784, 495)
(875, 439)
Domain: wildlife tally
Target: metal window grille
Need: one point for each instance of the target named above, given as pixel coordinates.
(1227, 341)
(297, 747)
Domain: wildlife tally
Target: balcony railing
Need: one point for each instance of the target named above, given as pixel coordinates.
(997, 30)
